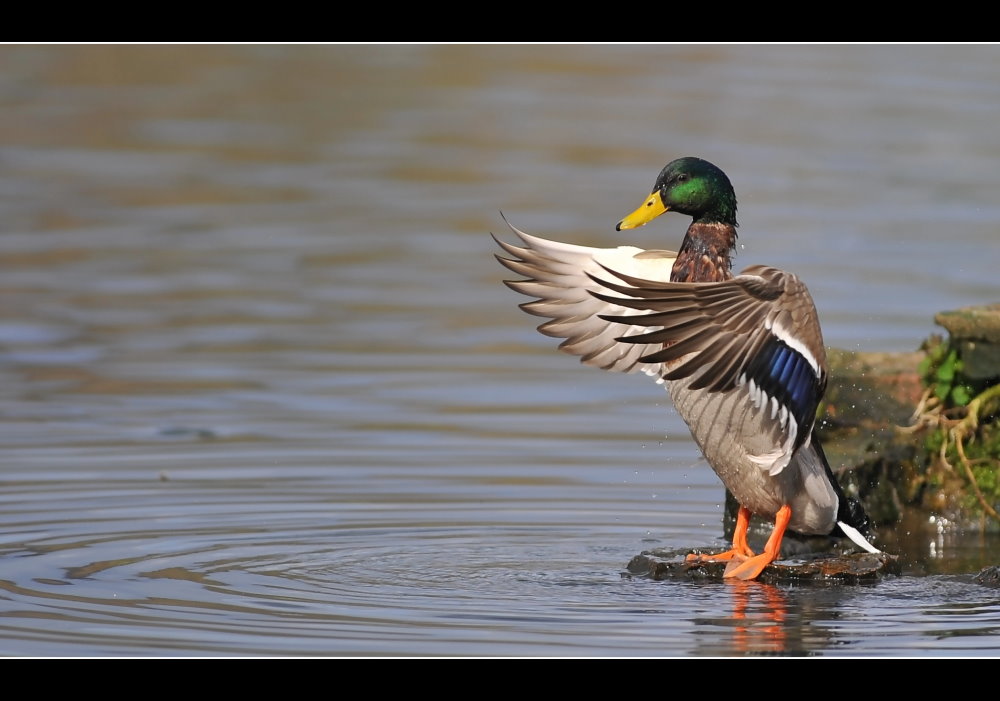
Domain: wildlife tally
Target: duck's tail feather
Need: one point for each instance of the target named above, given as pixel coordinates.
(855, 537)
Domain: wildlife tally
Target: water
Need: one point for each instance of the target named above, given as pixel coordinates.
(265, 394)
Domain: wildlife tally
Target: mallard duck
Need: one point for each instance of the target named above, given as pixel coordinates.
(742, 356)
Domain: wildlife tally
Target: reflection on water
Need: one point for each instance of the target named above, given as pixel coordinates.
(759, 619)
(266, 394)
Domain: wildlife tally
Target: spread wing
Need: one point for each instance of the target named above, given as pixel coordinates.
(559, 276)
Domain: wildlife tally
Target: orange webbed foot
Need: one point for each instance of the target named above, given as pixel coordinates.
(747, 568)
(751, 567)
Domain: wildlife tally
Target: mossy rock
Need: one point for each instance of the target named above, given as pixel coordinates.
(975, 335)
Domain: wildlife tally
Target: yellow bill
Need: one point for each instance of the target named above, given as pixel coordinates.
(647, 212)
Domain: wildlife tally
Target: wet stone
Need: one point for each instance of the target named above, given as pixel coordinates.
(853, 568)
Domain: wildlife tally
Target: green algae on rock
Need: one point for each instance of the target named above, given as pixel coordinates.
(922, 430)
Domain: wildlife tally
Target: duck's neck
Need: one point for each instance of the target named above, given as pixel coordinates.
(706, 253)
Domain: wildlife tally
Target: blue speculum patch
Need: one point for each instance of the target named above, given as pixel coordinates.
(785, 374)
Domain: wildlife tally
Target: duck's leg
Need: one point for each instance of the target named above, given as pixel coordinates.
(750, 567)
(740, 550)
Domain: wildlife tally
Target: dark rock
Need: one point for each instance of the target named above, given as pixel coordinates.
(854, 568)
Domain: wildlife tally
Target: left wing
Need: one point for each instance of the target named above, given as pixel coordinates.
(758, 331)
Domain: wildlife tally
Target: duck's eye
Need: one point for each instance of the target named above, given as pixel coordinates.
(682, 178)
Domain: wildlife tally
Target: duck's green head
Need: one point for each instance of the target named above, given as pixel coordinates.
(690, 186)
